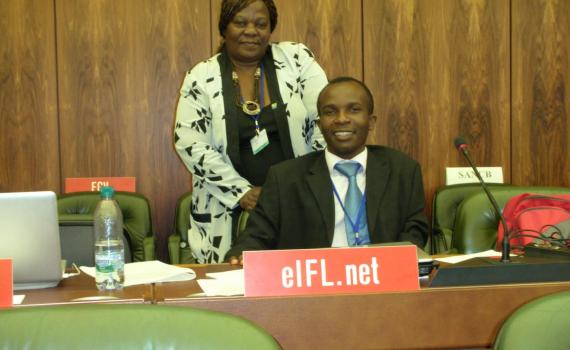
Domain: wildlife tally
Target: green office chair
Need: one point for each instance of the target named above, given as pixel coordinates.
(446, 200)
(476, 222)
(135, 326)
(540, 324)
(75, 211)
(178, 245)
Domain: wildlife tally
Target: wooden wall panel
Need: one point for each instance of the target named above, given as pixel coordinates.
(121, 64)
(330, 28)
(541, 92)
(437, 69)
(29, 147)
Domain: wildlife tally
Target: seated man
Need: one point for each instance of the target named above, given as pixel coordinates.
(349, 194)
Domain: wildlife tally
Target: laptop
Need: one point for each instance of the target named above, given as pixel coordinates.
(29, 235)
(78, 242)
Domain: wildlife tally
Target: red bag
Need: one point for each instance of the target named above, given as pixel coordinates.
(530, 215)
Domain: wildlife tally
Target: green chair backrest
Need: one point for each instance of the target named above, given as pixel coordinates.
(446, 200)
(78, 208)
(476, 222)
(135, 326)
(541, 324)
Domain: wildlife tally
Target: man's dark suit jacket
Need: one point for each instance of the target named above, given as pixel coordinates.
(296, 205)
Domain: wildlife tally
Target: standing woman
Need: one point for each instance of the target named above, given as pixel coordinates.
(250, 106)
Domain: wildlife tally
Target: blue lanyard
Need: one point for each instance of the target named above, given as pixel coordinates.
(359, 215)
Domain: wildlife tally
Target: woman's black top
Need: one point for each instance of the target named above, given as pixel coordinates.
(273, 119)
(255, 167)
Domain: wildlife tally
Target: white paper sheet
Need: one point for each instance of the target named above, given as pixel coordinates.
(459, 258)
(146, 272)
(69, 274)
(18, 299)
(235, 275)
(223, 283)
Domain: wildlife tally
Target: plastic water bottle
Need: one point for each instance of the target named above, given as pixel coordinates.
(109, 249)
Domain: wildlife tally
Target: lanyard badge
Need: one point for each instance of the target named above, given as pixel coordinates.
(260, 140)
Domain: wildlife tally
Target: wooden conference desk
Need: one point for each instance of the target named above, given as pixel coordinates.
(432, 318)
(81, 289)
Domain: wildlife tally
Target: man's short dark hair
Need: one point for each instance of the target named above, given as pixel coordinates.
(231, 7)
(344, 80)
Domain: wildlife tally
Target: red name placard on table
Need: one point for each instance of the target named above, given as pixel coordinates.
(94, 184)
(330, 270)
(6, 283)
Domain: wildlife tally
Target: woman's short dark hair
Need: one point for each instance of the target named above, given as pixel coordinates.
(231, 7)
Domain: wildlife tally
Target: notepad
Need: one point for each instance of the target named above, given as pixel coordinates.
(226, 283)
(146, 272)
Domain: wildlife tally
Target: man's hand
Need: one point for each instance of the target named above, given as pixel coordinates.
(236, 261)
(249, 200)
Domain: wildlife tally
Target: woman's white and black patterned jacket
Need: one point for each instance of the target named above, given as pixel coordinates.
(204, 126)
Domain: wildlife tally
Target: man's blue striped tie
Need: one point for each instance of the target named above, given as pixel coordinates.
(352, 203)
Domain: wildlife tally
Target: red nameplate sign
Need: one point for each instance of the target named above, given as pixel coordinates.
(6, 292)
(94, 184)
(330, 270)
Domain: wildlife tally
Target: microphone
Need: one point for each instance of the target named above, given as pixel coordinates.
(461, 146)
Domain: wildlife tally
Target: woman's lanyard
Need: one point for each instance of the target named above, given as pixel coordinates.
(260, 140)
(261, 101)
(355, 225)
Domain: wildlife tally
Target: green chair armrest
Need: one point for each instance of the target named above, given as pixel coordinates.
(179, 255)
(148, 246)
(186, 256)
(174, 249)
(242, 222)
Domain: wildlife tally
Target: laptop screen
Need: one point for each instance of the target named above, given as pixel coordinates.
(29, 235)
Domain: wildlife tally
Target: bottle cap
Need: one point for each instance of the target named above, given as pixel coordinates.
(107, 192)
